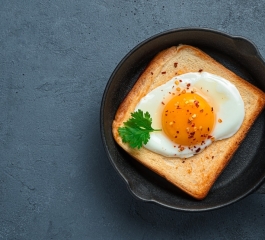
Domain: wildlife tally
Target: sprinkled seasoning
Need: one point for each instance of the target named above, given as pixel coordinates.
(197, 150)
(196, 102)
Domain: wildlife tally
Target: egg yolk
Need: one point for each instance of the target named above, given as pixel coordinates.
(188, 119)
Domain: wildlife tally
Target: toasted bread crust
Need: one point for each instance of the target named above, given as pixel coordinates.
(197, 174)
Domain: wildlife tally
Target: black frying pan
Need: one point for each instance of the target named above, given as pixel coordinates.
(245, 172)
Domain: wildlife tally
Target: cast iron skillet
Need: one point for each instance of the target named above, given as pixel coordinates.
(246, 170)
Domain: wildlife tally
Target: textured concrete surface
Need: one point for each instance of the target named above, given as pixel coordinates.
(55, 60)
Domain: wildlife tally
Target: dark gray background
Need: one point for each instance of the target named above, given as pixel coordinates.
(55, 178)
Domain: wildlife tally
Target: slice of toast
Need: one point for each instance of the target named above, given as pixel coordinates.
(197, 174)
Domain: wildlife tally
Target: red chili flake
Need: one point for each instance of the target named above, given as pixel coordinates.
(175, 64)
(163, 103)
(212, 109)
(177, 131)
(181, 149)
(191, 135)
(201, 110)
(193, 124)
(180, 80)
(196, 102)
(152, 73)
(183, 161)
(212, 157)
(208, 129)
(164, 72)
(200, 70)
(176, 136)
(197, 150)
(209, 136)
(188, 85)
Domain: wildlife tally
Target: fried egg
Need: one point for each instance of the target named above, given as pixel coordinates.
(192, 110)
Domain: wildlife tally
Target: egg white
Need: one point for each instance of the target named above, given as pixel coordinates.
(219, 92)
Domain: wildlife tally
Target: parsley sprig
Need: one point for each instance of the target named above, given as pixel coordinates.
(137, 129)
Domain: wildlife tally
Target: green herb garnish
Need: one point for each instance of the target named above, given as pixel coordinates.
(137, 129)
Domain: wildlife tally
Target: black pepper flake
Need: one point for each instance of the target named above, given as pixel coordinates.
(164, 72)
(175, 64)
(200, 70)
